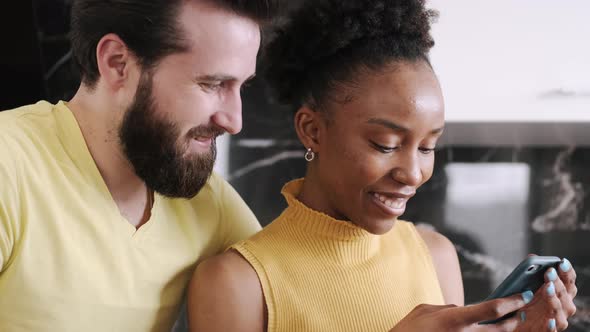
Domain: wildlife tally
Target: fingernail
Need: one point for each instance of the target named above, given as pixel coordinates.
(527, 296)
(551, 289)
(565, 265)
(552, 274)
(522, 316)
(551, 325)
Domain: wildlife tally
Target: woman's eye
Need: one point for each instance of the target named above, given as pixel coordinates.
(384, 149)
(427, 150)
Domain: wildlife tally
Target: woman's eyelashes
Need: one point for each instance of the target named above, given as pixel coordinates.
(390, 149)
(384, 149)
(427, 150)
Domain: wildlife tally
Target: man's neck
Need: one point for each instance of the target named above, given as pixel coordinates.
(99, 123)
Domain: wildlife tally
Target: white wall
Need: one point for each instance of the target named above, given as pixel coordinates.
(222, 162)
(497, 59)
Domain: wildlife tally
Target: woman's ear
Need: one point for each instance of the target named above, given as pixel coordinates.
(308, 125)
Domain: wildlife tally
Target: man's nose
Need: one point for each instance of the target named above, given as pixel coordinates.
(229, 117)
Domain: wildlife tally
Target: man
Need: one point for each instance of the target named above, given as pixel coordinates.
(107, 201)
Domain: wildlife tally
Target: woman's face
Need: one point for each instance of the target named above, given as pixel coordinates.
(375, 150)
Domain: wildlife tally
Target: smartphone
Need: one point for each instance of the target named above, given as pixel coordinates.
(529, 275)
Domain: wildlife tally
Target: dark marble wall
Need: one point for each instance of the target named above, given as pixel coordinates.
(20, 61)
(36, 61)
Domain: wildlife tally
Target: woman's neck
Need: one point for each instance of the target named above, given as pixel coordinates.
(313, 195)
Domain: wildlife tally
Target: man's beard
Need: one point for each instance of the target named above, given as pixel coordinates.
(156, 150)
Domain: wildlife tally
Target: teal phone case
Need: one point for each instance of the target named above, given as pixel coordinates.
(529, 275)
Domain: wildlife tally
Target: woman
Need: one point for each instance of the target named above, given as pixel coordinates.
(369, 113)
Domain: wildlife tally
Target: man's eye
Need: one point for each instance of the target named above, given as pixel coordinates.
(211, 86)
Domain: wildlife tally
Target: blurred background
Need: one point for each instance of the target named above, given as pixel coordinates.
(512, 174)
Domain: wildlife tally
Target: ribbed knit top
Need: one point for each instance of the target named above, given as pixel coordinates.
(322, 274)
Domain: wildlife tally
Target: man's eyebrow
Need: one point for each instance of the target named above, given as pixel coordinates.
(221, 78)
(216, 77)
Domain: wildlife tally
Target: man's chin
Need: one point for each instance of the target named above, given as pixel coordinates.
(183, 182)
(183, 192)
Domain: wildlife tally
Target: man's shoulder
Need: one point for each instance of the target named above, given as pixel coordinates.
(216, 182)
(19, 124)
(218, 200)
(22, 131)
(14, 116)
(212, 197)
(215, 189)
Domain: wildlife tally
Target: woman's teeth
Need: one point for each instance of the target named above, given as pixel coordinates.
(396, 203)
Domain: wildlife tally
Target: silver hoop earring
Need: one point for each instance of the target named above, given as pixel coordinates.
(309, 155)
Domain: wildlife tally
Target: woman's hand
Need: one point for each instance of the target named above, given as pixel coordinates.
(451, 318)
(553, 304)
(547, 310)
(566, 289)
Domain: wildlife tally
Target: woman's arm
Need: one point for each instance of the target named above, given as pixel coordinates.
(446, 263)
(225, 295)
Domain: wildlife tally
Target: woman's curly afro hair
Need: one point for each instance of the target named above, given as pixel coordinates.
(325, 43)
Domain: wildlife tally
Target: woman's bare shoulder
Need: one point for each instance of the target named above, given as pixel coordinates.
(446, 262)
(225, 295)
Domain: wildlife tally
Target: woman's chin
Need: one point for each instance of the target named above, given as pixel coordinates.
(379, 226)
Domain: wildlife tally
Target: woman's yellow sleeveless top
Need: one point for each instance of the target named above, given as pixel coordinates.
(321, 274)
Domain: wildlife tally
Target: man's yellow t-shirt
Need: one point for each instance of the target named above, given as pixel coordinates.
(69, 261)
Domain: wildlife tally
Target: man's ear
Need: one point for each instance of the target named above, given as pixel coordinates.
(308, 125)
(114, 61)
